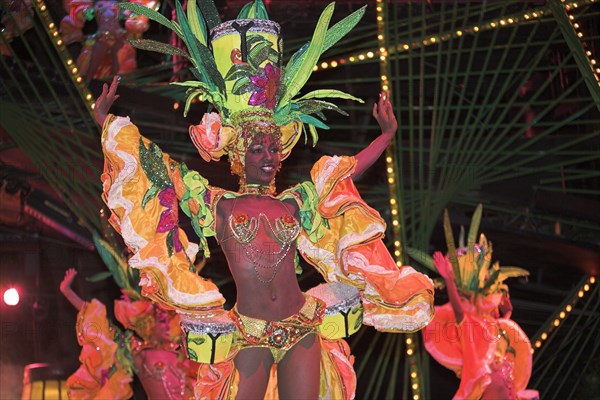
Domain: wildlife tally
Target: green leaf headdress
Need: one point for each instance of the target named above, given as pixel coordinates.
(472, 265)
(238, 67)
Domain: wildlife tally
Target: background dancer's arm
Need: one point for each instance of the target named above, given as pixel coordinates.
(106, 100)
(384, 114)
(67, 291)
(444, 267)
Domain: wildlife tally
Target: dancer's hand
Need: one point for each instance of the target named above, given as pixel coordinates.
(443, 266)
(106, 100)
(68, 280)
(384, 115)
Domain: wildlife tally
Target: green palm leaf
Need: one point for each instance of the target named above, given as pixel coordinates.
(196, 22)
(297, 77)
(210, 13)
(202, 57)
(474, 228)
(452, 255)
(511, 272)
(153, 45)
(316, 106)
(332, 36)
(255, 9)
(421, 257)
(329, 93)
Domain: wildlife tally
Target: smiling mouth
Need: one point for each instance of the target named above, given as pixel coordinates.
(267, 168)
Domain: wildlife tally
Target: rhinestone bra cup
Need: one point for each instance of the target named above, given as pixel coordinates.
(244, 229)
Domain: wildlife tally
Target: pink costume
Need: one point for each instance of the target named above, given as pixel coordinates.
(490, 355)
(479, 349)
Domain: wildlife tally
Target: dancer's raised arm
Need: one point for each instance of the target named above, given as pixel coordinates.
(442, 264)
(384, 114)
(67, 291)
(106, 100)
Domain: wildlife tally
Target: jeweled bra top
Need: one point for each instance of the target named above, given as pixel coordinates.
(264, 262)
(244, 228)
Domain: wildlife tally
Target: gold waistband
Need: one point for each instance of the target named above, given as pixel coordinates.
(279, 334)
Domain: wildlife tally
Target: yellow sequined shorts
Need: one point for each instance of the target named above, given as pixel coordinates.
(277, 336)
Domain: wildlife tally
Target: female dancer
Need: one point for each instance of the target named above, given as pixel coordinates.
(473, 334)
(110, 357)
(259, 230)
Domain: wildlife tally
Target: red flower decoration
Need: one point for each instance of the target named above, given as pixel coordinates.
(169, 217)
(148, 285)
(240, 219)
(288, 220)
(267, 87)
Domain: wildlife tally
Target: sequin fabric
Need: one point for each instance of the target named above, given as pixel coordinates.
(278, 336)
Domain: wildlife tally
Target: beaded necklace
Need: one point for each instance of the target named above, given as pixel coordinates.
(258, 189)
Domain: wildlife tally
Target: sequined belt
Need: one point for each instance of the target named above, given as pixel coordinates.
(284, 334)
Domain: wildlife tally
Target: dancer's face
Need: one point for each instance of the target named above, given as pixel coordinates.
(489, 303)
(161, 325)
(262, 159)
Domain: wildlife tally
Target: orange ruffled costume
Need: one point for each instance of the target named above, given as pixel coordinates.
(476, 346)
(109, 357)
(104, 373)
(341, 237)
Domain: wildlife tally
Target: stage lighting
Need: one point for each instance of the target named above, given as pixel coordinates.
(11, 297)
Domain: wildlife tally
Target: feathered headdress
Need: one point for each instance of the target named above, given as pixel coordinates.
(472, 265)
(238, 67)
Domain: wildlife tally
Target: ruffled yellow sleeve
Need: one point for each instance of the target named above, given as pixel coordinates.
(141, 186)
(342, 239)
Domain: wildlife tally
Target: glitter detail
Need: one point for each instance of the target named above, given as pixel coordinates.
(204, 328)
(258, 25)
(338, 296)
(278, 336)
(244, 230)
(219, 323)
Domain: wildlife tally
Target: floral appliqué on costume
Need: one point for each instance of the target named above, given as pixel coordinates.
(266, 87)
(263, 83)
(161, 186)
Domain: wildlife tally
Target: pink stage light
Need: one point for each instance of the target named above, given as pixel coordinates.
(11, 297)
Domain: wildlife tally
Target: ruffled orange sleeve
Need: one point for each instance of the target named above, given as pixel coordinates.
(470, 348)
(520, 346)
(100, 375)
(142, 186)
(347, 246)
(466, 348)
